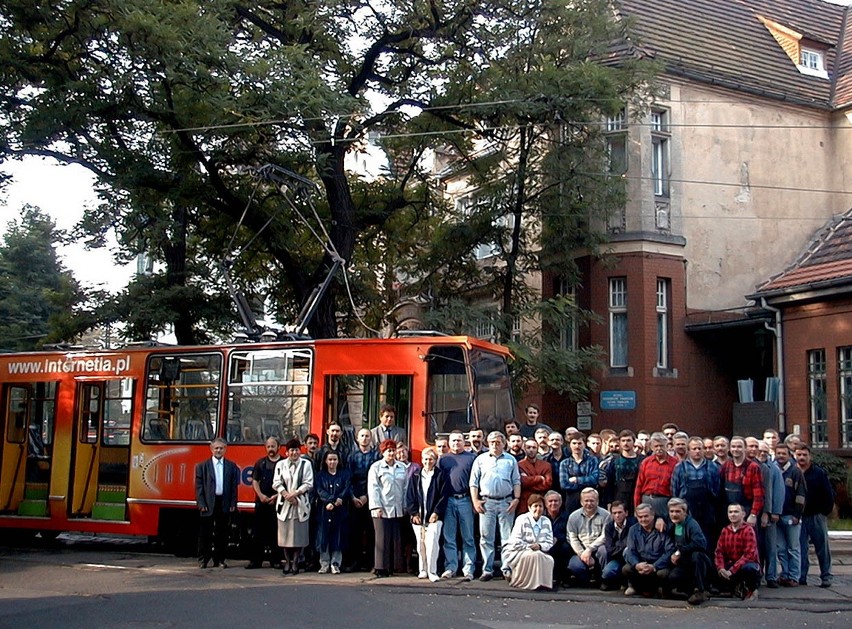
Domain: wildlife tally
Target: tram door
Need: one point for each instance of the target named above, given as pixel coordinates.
(27, 424)
(101, 450)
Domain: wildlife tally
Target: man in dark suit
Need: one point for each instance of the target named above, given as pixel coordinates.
(216, 481)
(387, 428)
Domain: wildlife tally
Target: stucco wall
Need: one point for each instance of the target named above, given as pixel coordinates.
(748, 187)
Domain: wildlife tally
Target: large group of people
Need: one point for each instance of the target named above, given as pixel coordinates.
(653, 514)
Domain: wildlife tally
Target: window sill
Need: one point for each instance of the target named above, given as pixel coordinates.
(660, 372)
(621, 372)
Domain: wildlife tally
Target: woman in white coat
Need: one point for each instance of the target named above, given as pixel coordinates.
(293, 480)
(525, 553)
(386, 494)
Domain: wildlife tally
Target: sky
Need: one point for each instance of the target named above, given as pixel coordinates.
(63, 192)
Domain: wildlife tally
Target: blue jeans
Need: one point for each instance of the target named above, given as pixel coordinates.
(459, 518)
(789, 548)
(815, 529)
(611, 573)
(583, 573)
(769, 537)
(495, 515)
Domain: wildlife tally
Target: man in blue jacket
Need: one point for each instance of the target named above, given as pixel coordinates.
(819, 503)
(691, 562)
(647, 555)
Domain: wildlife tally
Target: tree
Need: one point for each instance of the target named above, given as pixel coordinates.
(538, 186)
(37, 295)
(170, 103)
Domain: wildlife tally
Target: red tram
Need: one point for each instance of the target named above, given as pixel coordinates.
(107, 441)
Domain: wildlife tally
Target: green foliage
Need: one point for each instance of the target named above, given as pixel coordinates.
(834, 466)
(37, 295)
(171, 104)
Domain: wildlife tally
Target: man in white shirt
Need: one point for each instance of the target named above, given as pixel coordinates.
(216, 481)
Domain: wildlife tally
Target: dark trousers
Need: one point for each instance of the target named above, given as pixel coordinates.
(691, 573)
(388, 548)
(264, 534)
(561, 553)
(361, 539)
(213, 534)
(748, 575)
(645, 583)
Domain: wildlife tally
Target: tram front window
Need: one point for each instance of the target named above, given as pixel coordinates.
(492, 390)
(464, 394)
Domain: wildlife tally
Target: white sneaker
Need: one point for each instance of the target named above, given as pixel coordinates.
(630, 591)
(422, 575)
(447, 574)
(323, 570)
(434, 577)
(335, 569)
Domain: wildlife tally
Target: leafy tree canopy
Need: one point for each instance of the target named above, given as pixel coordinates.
(37, 295)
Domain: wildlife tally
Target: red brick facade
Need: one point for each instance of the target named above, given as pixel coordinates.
(825, 325)
(692, 392)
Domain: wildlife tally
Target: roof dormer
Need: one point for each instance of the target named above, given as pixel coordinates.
(807, 55)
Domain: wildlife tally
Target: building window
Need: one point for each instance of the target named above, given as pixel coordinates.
(473, 204)
(660, 141)
(817, 398)
(618, 322)
(616, 142)
(568, 335)
(812, 59)
(484, 327)
(663, 324)
(516, 328)
(845, 375)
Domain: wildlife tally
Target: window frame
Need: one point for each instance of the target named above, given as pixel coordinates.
(663, 312)
(817, 376)
(660, 153)
(617, 306)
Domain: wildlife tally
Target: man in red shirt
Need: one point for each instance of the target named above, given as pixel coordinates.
(536, 474)
(654, 482)
(736, 559)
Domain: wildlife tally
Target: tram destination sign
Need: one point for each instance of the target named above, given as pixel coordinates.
(618, 400)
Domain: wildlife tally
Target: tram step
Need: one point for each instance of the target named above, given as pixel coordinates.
(108, 511)
(33, 507)
(36, 491)
(112, 493)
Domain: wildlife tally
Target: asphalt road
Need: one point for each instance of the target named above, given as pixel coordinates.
(82, 586)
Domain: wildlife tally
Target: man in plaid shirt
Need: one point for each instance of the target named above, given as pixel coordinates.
(742, 481)
(737, 562)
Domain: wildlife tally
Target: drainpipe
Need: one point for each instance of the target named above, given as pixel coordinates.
(779, 362)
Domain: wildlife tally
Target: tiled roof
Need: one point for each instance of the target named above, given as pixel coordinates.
(724, 42)
(826, 261)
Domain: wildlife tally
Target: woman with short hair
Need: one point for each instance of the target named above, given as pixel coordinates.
(333, 491)
(386, 494)
(525, 552)
(426, 503)
(293, 480)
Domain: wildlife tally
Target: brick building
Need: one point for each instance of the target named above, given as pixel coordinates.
(739, 161)
(813, 302)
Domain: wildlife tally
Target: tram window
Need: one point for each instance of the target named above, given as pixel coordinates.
(182, 397)
(354, 401)
(449, 392)
(17, 402)
(31, 416)
(492, 390)
(268, 395)
(118, 403)
(90, 412)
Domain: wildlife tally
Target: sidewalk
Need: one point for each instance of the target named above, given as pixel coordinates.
(810, 598)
